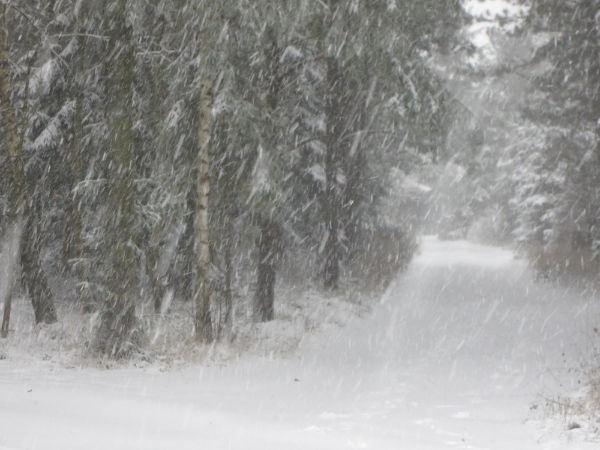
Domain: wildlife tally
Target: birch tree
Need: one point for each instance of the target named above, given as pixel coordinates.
(202, 294)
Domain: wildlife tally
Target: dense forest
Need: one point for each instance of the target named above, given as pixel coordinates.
(198, 147)
(201, 153)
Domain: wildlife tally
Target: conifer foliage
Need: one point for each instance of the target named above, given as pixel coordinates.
(565, 104)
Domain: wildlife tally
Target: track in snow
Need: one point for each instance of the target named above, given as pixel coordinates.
(452, 358)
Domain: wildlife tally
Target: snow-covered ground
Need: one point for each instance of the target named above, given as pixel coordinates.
(459, 354)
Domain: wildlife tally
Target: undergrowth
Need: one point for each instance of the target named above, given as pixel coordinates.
(579, 410)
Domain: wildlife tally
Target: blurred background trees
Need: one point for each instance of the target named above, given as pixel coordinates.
(520, 165)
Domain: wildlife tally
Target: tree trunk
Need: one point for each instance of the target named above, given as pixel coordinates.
(202, 294)
(183, 279)
(268, 239)
(331, 270)
(73, 233)
(152, 269)
(268, 249)
(228, 272)
(10, 261)
(155, 119)
(32, 275)
(116, 334)
(354, 168)
(13, 156)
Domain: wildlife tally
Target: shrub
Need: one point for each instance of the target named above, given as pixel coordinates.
(380, 254)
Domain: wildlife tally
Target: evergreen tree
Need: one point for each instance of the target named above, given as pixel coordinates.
(565, 104)
(24, 190)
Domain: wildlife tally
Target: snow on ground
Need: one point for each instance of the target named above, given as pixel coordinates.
(169, 341)
(461, 353)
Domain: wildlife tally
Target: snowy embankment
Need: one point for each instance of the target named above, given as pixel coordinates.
(455, 356)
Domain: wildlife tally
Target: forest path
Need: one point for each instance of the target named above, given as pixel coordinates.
(454, 357)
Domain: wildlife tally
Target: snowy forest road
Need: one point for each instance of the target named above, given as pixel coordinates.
(455, 356)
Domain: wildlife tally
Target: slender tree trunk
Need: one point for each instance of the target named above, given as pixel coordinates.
(228, 256)
(331, 270)
(184, 278)
(156, 117)
(202, 294)
(152, 266)
(84, 297)
(354, 168)
(268, 249)
(352, 195)
(268, 239)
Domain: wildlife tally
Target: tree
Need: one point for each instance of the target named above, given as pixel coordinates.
(374, 94)
(203, 321)
(186, 147)
(22, 198)
(12, 153)
(118, 318)
(565, 105)
(271, 78)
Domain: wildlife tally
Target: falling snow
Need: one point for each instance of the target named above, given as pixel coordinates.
(299, 225)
